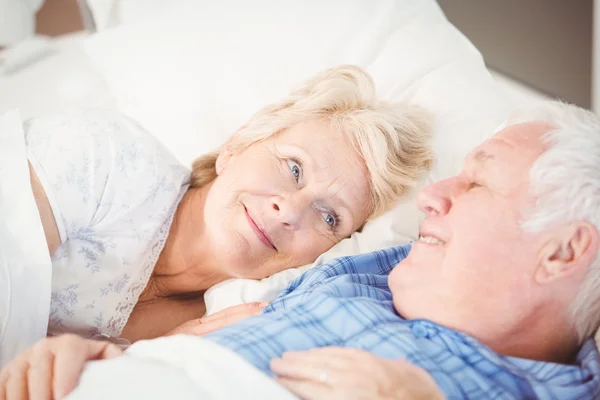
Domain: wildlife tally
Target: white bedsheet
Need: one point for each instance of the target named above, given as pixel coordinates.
(182, 367)
(63, 80)
(25, 268)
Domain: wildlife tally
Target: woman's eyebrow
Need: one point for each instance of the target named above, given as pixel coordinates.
(313, 162)
(338, 198)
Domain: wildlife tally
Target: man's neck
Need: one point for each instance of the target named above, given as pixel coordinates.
(187, 263)
(544, 338)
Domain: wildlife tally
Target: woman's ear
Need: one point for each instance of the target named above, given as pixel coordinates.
(223, 159)
(226, 153)
(570, 251)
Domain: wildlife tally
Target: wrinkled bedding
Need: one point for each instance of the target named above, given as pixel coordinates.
(182, 367)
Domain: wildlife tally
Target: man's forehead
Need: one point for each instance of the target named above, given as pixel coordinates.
(527, 134)
(524, 138)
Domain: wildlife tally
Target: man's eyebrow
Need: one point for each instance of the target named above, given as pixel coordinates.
(481, 156)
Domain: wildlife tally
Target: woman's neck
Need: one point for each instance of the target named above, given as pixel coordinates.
(187, 263)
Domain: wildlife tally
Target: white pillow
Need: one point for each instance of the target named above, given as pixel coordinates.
(109, 13)
(193, 72)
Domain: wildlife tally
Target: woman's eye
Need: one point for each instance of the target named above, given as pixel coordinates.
(295, 168)
(329, 219)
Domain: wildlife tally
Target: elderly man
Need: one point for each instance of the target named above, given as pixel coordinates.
(497, 299)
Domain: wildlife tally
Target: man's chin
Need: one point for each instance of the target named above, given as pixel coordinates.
(401, 308)
(398, 274)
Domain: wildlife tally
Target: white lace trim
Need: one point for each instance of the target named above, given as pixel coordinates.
(123, 309)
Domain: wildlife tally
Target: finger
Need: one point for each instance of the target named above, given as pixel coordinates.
(308, 390)
(246, 309)
(346, 353)
(403, 364)
(2, 392)
(39, 381)
(16, 387)
(70, 358)
(205, 325)
(318, 357)
(411, 372)
(309, 366)
(184, 328)
(4, 375)
(110, 351)
(3, 381)
(241, 309)
(211, 326)
(340, 358)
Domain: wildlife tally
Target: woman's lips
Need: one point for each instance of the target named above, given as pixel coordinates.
(262, 236)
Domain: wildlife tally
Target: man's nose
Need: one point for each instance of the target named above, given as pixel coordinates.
(436, 199)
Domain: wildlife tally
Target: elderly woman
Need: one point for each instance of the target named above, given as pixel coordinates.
(136, 239)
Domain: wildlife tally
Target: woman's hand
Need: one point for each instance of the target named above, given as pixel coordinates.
(216, 321)
(50, 369)
(338, 373)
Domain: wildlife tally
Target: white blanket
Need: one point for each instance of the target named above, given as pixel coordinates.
(182, 367)
(25, 267)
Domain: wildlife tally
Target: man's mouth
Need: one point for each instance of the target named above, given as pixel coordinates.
(431, 240)
(260, 233)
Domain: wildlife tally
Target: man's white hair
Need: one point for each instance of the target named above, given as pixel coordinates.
(565, 181)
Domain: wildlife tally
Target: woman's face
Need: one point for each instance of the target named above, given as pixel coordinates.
(284, 201)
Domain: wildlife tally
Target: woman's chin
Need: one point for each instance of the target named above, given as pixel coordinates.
(238, 264)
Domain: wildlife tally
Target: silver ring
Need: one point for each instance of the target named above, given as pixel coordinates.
(323, 377)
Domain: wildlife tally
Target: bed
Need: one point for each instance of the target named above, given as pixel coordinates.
(191, 73)
(155, 58)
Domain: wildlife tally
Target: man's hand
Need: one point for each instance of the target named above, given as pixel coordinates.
(228, 316)
(50, 369)
(338, 373)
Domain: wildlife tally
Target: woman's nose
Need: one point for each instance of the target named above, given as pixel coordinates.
(287, 211)
(436, 199)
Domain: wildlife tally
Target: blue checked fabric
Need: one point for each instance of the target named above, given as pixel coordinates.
(347, 303)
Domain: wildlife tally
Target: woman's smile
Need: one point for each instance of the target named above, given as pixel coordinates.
(260, 233)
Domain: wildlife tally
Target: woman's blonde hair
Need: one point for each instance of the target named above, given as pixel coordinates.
(391, 138)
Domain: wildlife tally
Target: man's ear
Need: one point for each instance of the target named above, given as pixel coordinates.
(571, 250)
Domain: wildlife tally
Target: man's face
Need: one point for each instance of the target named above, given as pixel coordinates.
(473, 267)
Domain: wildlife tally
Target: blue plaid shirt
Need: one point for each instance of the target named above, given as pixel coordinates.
(347, 303)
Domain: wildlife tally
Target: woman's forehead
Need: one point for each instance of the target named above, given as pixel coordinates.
(313, 132)
(326, 147)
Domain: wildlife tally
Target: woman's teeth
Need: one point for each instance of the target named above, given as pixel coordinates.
(430, 240)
